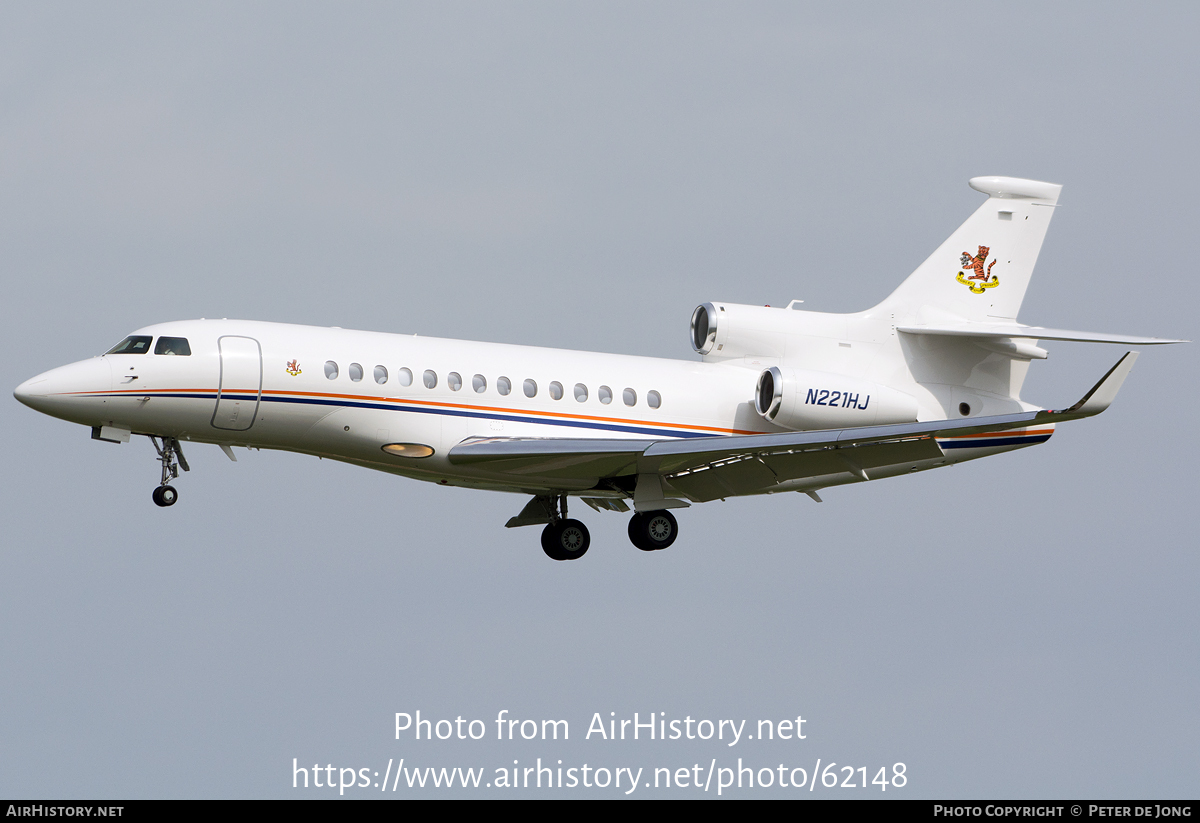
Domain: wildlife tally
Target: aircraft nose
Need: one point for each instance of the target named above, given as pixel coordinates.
(29, 391)
(59, 392)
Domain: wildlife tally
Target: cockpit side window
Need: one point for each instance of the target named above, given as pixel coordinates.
(173, 345)
(134, 344)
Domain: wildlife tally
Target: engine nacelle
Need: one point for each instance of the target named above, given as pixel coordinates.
(803, 400)
(727, 330)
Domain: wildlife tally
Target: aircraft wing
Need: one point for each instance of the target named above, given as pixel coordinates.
(724, 466)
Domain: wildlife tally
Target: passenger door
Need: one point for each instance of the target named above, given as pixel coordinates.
(241, 383)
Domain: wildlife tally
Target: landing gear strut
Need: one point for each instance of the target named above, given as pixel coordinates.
(564, 539)
(652, 531)
(170, 454)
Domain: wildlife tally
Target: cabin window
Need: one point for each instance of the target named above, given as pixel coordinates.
(630, 397)
(381, 374)
(556, 390)
(356, 372)
(653, 399)
(503, 385)
(454, 381)
(331, 369)
(530, 388)
(135, 344)
(173, 345)
(429, 378)
(605, 394)
(479, 383)
(580, 392)
(404, 376)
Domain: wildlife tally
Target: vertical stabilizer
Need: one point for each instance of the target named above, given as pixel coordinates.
(982, 271)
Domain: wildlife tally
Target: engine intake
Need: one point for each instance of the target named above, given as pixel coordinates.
(704, 328)
(725, 331)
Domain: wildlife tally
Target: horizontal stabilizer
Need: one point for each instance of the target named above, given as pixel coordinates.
(1033, 333)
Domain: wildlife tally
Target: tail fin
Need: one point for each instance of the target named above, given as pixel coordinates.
(982, 271)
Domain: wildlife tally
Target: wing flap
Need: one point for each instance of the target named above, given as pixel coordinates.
(855, 459)
(758, 473)
(718, 483)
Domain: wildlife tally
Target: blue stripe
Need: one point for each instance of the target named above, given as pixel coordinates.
(999, 441)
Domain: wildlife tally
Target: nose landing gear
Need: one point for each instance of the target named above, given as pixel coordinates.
(170, 454)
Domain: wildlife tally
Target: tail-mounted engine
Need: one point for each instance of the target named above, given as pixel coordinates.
(802, 400)
(722, 331)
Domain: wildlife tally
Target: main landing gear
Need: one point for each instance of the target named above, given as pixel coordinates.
(565, 539)
(170, 454)
(653, 531)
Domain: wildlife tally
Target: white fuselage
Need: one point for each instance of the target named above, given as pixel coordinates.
(267, 385)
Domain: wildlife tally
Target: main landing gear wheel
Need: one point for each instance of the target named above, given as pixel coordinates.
(565, 540)
(165, 496)
(652, 531)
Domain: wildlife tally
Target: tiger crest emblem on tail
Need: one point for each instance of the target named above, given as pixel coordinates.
(986, 279)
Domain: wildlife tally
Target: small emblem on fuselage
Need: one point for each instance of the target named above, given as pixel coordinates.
(975, 264)
(293, 367)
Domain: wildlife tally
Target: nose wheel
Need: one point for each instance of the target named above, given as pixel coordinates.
(170, 454)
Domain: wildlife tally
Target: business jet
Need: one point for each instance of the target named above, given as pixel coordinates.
(781, 399)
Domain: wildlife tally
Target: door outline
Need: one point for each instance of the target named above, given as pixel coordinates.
(221, 383)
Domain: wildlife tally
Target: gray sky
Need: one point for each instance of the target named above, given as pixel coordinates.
(582, 175)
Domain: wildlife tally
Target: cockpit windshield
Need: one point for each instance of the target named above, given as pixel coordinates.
(134, 344)
(172, 345)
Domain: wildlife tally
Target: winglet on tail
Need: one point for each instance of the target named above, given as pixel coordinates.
(1104, 392)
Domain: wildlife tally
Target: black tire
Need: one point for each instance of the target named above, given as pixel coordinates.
(550, 542)
(165, 496)
(566, 540)
(653, 531)
(635, 532)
